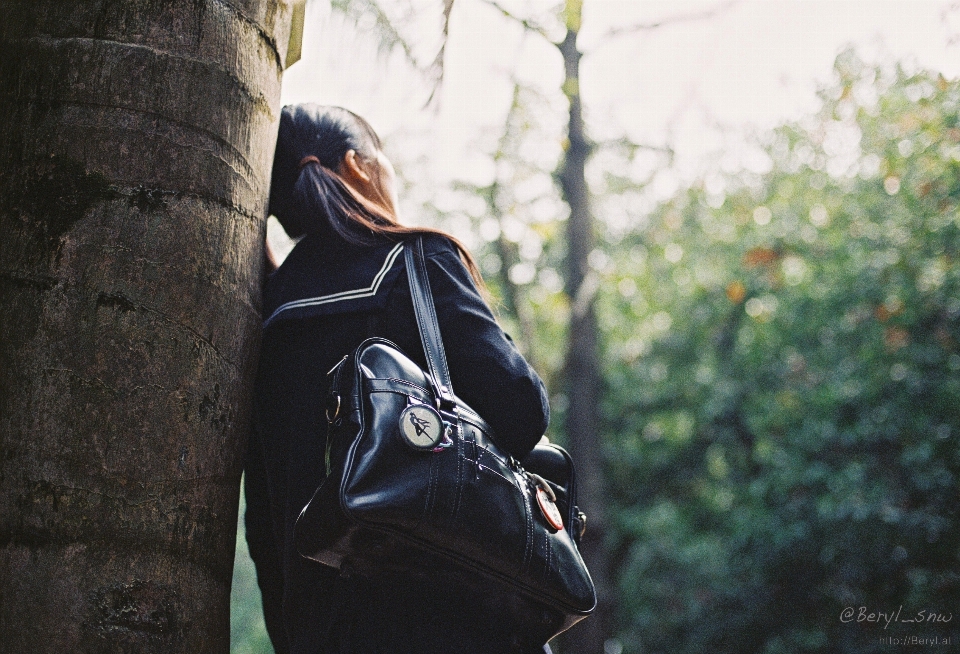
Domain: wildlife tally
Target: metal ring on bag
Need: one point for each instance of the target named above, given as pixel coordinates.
(336, 409)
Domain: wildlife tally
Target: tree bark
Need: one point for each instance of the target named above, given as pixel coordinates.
(582, 367)
(135, 145)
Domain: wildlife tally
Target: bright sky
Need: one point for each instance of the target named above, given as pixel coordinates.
(755, 64)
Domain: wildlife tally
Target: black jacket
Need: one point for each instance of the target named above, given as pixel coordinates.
(326, 298)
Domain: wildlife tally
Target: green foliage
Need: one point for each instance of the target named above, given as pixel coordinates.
(248, 634)
(782, 397)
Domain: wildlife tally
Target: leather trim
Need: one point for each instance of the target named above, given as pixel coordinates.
(426, 314)
(469, 415)
(399, 386)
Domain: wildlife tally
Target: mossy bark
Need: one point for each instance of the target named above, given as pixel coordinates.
(135, 145)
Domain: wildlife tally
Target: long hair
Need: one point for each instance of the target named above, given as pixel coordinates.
(308, 196)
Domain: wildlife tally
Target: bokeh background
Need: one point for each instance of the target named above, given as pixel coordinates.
(774, 188)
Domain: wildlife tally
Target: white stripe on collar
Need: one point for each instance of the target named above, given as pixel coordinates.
(344, 295)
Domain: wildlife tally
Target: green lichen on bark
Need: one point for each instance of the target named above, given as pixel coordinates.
(142, 615)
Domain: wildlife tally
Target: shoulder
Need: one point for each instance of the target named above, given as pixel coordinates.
(438, 245)
(323, 276)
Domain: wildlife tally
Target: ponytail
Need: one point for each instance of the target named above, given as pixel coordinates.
(308, 196)
(324, 201)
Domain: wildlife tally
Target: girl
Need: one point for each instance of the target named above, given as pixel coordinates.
(344, 282)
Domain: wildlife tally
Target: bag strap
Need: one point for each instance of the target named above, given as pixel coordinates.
(427, 323)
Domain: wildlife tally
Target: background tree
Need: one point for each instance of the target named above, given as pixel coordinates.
(581, 379)
(135, 147)
(582, 367)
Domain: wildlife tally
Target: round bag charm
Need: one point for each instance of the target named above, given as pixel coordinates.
(421, 426)
(549, 509)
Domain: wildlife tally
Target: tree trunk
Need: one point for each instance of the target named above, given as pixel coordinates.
(135, 145)
(582, 367)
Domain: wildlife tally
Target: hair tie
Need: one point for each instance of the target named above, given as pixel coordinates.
(308, 159)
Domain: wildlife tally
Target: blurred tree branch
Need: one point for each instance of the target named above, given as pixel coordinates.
(389, 36)
(437, 67)
(712, 12)
(527, 24)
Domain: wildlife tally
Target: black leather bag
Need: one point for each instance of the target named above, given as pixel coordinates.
(417, 485)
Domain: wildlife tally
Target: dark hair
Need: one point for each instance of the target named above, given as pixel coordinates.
(308, 196)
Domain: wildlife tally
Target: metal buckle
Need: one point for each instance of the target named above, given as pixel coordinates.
(451, 420)
(540, 482)
(447, 442)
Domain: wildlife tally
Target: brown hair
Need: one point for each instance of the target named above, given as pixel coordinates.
(307, 195)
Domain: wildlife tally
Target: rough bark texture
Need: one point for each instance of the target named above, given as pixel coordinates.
(582, 367)
(135, 144)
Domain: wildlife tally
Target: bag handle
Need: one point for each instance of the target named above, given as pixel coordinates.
(426, 314)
